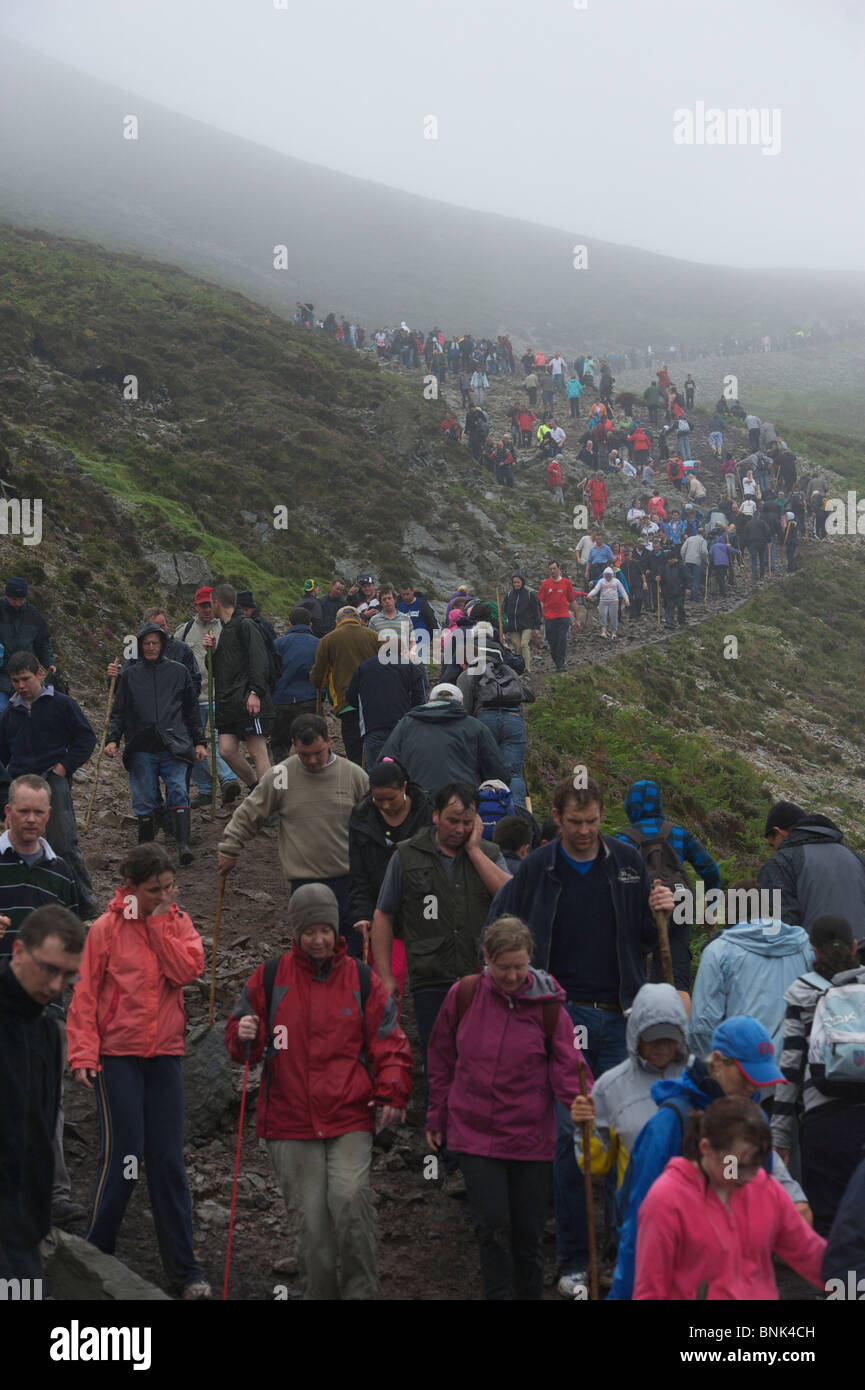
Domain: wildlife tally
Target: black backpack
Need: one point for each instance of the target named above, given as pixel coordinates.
(499, 686)
(661, 860)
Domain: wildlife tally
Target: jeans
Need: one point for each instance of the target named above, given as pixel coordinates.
(557, 637)
(20, 1262)
(373, 743)
(832, 1143)
(509, 732)
(145, 770)
(508, 1200)
(758, 558)
(339, 888)
(140, 1106)
(61, 833)
(62, 1181)
(730, 483)
(201, 771)
(325, 1184)
(696, 581)
(605, 1048)
(684, 437)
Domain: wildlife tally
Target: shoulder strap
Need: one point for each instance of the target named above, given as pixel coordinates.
(552, 1008)
(466, 991)
(268, 978)
(665, 830)
(635, 835)
(186, 630)
(682, 1107)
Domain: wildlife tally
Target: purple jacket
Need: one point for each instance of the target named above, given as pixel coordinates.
(491, 1082)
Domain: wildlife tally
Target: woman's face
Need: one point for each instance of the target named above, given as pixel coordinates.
(151, 893)
(735, 1166)
(509, 970)
(659, 1053)
(318, 941)
(732, 1081)
(389, 800)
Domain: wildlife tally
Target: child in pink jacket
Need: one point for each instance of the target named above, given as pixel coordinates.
(711, 1222)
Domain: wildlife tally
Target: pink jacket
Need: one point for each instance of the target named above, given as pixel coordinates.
(491, 1082)
(686, 1236)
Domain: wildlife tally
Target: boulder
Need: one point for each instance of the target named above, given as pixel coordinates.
(75, 1270)
(180, 569)
(208, 1082)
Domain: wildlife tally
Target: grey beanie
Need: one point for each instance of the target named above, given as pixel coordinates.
(312, 903)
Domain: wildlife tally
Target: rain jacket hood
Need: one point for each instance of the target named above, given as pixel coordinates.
(143, 632)
(643, 799)
(656, 1004)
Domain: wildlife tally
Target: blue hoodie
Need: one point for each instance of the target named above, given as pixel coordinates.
(746, 970)
(645, 811)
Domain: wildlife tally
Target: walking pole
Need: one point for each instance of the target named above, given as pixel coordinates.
(219, 899)
(318, 702)
(664, 942)
(212, 716)
(586, 1127)
(706, 595)
(99, 754)
(501, 622)
(236, 1171)
(658, 586)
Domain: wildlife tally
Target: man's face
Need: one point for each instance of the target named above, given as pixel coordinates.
(454, 824)
(45, 970)
(247, 610)
(388, 604)
(517, 582)
(204, 612)
(407, 596)
(315, 755)
(15, 602)
(160, 620)
(580, 828)
(150, 646)
(27, 684)
(27, 816)
(555, 572)
(336, 589)
(368, 590)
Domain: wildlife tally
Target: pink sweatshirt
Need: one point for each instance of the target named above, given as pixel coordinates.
(685, 1236)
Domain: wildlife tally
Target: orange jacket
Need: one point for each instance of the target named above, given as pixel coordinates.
(129, 999)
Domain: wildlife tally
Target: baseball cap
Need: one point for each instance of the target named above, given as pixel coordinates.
(784, 815)
(657, 1031)
(446, 692)
(309, 585)
(749, 1045)
(16, 587)
(365, 579)
(203, 595)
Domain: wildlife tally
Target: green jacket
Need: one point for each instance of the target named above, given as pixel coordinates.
(442, 922)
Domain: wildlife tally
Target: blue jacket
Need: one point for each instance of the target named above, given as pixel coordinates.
(674, 531)
(296, 652)
(382, 692)
(533, 894)
(646, 812)
(55, 730)
(573, 388)
(746, 970)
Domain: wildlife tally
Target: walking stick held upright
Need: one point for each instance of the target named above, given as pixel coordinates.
(211, 712)
(236, 1171)
(664, 942)
(586, 1127)
(101, 750)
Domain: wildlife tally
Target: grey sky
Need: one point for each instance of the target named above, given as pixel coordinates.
(555, 114)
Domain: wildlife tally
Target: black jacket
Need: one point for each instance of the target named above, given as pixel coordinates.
(176, 650)
(329, 609)
(756, 532)
(29, 1096)
(673, 582)
(522, 608)
(156, 707)
(54, 729)
(22, 630)
(382, 692)
(816, 873)
(314, 608)
(369, 850)
(240, 668)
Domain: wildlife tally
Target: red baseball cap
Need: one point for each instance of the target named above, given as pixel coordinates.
(204, 595)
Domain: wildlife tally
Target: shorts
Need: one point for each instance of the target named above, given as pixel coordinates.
(249, 727)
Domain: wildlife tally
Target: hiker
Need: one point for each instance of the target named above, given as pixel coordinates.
(47, 733)
(752, 425)
(503, 463)
(573, 391)
(791, 529)
(716, 434)
(156, 712)
(250, 609)
(556, 597)
(513, 836)
(522, 618)
(712, 1225)
(340, 1052)
(554, 479)
(608, 591)
(598, 497)
(690, 391)
(388, 621)
(493, 692)
(654, 400)
(694, 556)
(730, 474)
(192, 633)
(382, 691)
(175, 650)
(337, 657)
(241, 679)
(330, 605)
(683, 437)
(531, 386)
(126, 1029)
(479, 384)
(312, 797)
(362, 597)
(46, 955)
(504, 1033)
(22, 629)
(294, 692)
(756, 538)
(587, 900)
(746, 968)
(312, 603)
(599, 557)
(741, 1063)
(417, 607)
(673, 583)
(635, 580)
(664, 846)
(814, 870)
(439, 742)
(720, 555)
(822, 1071)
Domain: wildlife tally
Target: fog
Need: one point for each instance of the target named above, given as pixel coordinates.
(604, 120)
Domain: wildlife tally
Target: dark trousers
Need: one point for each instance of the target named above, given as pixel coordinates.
(284, 717)
(833, 1137)
(61, 833)
(792, 562)
(674, 608)
(339, 888)
(574, 403)
(759, 560)
(636, 607)
(557, 635)
(373, 743)
(352, 741)
(508, 1200)
(719, 574)
(20, 1262)
(140, 1108)
(427, 1003)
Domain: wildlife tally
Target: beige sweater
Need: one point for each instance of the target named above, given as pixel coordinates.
(313, 809)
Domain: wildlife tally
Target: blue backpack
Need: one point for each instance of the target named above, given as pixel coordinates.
(494, 803)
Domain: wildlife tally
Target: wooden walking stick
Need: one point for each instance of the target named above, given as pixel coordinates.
(501, 622)
(586, 1128)
(318, 702)
(219, 900)
(706, 595)
(664, 942)
(211, 713)
(658, 586)
(99, 754)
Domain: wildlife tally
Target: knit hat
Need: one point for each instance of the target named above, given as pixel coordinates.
(312, 903)
(608, 570)
(245, 599)
(17, 587)
(309, 585)
(203, 595)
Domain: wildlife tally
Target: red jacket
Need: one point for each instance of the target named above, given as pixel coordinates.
(129, 999)
(640, 440)
(596, 490)
(317, 1086)
(657, 507)
(675, 469)
(554, 474)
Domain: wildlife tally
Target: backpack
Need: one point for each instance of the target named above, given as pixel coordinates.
(274, 665)
(661, 860)
(499, 685)
(468, 987)
(683, 1107)
(836, 1048)
(494, 803)
(364, 979)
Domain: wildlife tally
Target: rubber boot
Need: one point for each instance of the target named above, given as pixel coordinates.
(146, 829)
(181, 829)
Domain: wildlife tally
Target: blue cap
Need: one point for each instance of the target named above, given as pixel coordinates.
(751, 1048)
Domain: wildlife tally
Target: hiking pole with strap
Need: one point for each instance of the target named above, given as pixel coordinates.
(236, 1171)
(219, 901)
(586, 1128)
(664, 942)
(212, 714)
(101, 751)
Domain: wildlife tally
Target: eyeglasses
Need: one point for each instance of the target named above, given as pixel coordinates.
(53, 972)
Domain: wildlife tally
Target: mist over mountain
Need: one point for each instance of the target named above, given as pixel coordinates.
(217, 206)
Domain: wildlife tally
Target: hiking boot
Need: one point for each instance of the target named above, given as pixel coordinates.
(181, 829)
(230, 791)
(454, 1185)
(64, 1209)
(570, 1285)
(196, 1291)
(146, 829)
